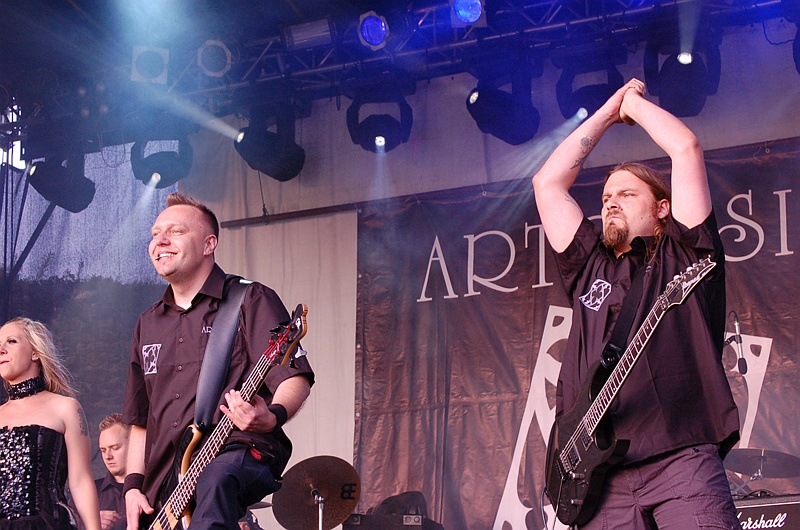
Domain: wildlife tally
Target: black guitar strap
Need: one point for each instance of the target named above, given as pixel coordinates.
(615, 347)
(218, 352)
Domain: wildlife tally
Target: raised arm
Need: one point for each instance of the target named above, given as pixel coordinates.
(691, 198)
(559, 212)
(79, 472)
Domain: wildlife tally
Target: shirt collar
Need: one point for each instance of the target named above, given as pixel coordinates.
(110, 482)
(639, 246)
(213, 287)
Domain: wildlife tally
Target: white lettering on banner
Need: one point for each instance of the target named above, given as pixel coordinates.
(436, 255)
(743, 227)
(512, 510)
(754, 378)
(776, 522)
(784, 231)
(759, 230)
(542, 245)
(472, 278)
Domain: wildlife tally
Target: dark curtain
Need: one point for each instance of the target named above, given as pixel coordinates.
(461, 320)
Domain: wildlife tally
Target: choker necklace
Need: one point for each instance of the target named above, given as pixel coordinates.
(29, 387)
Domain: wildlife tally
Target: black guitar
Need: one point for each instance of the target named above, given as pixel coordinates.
(175, 509)
(582, 446)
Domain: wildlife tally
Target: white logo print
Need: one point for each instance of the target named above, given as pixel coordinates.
(150, 355)
(597, 294)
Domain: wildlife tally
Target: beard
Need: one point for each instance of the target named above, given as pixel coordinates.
(615, 234)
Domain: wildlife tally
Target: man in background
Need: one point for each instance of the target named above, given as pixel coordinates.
(114, 449)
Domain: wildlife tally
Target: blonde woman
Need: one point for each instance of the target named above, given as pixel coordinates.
(44, 439)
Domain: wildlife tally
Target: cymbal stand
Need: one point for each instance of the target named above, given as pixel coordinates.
(319, 500)
(758, 475)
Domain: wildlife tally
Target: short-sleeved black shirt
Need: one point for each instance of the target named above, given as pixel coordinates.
(166, 357)
(677, 394)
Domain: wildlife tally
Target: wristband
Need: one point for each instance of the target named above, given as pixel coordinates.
(133, 481)
(281, 416)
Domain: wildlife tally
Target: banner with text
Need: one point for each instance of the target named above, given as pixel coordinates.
(461, 321)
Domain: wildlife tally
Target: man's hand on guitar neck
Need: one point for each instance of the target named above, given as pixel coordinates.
(135, 505)
(253, 417)
(256, 416)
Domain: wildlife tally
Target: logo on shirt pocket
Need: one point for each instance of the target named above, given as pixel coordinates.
(597, 295)
(150, 355)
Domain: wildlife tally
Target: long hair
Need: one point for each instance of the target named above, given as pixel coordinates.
(654, 180)
(56, 377)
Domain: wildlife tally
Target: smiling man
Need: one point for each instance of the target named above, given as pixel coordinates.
(166, 357)
(675, 407)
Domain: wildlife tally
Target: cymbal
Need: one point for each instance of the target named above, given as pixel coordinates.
(295, 506)
(770, 464)
(261, 504)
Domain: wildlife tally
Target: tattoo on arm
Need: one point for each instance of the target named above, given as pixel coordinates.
(587, 144)
(570, 199)
(83, 423)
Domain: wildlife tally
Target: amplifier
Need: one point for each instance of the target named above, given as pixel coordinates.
(769, 512)
(390, 522)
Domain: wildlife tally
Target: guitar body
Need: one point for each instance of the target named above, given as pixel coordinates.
(582, 444)
(175, 510)
(574, 492)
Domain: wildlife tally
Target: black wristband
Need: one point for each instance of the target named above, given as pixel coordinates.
(281, 416)
(133, 481)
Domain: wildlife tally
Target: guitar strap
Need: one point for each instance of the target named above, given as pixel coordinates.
(615, 347)
(218, 352)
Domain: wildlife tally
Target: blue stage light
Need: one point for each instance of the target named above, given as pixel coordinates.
(373, 30)
(467, 11)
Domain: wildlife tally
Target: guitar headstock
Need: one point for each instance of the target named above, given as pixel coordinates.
(682, 284)
(297, 324)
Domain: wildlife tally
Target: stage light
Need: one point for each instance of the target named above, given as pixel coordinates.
(379, 133)
(273, 153)
(511, 117)
(163, 168)
(61, 181)
(149, 64)
(308, 35)
(373, 30)
(215, 58)
(588, 97)
(465, 13)
(682, 88)
(685, 58)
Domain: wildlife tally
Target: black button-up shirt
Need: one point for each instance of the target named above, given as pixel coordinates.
(166, 356)
(109, 493)
(677, 394)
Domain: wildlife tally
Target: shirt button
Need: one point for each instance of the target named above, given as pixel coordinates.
(180, 368)
(180, 339)
(175, 424)
(177, 396)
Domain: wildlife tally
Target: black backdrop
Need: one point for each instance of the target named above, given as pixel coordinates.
(460, 326)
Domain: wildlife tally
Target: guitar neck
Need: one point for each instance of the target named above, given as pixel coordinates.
(620, 372)
(170, 515)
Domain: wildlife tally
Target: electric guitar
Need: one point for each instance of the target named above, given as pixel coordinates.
(582, 446)
(176, 509)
